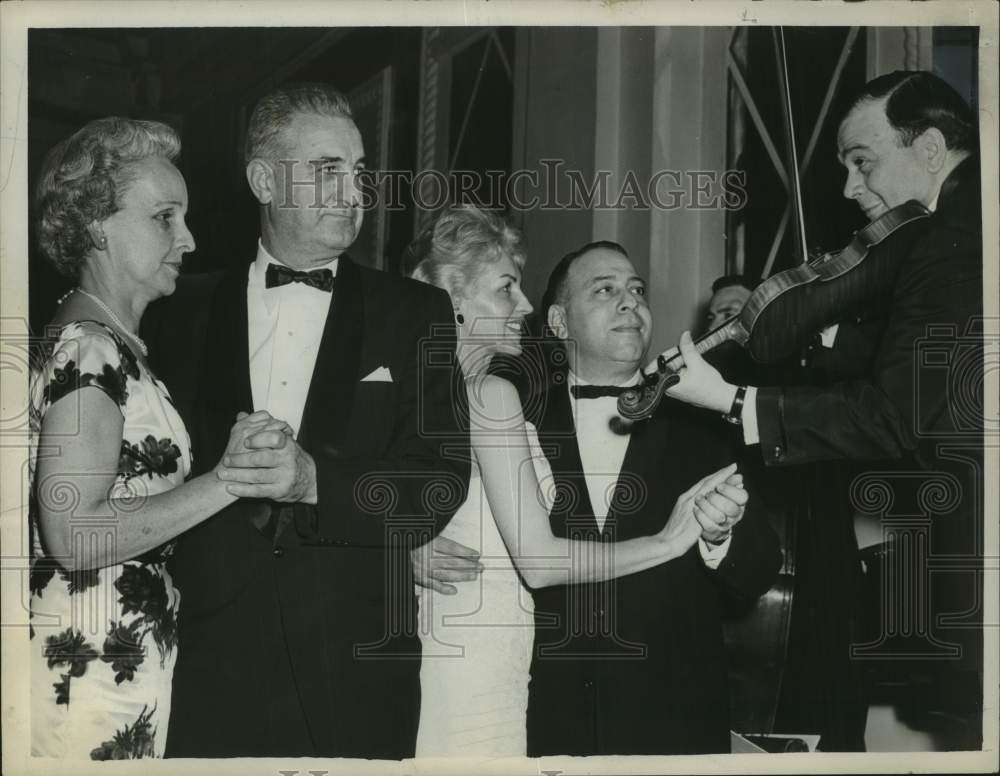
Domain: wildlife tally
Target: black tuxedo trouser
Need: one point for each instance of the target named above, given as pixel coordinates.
(203, 688)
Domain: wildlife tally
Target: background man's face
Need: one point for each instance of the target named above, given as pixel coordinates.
(881, 173)
(318, 216)
(726, 303)
(607, 315)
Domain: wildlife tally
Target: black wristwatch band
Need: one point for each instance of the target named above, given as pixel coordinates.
(735, 414)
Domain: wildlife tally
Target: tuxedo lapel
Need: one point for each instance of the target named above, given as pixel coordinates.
(227, 379)
(637, 478)
(335, 376)
(557, 436)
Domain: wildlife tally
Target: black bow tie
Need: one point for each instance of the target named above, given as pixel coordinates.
(280, 275)
(598, 391)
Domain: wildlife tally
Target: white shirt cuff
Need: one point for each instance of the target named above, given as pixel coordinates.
(751, 434)
(712, 555)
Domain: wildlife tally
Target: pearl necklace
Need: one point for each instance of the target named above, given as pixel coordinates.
(114, 319)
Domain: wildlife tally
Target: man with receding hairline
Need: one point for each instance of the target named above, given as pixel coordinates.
(632, 665)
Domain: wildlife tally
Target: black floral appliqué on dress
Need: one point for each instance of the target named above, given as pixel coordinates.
(93, 629)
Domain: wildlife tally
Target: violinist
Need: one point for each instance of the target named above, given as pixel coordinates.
(907, 136)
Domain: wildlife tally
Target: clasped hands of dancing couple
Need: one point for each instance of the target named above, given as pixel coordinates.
(709, 509)
(263, 460)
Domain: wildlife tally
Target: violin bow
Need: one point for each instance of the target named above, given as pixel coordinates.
(639, 403)
(781, 58)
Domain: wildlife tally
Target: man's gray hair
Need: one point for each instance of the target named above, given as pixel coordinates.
(275, 111)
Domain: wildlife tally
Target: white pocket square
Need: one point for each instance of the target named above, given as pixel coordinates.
(380, 375)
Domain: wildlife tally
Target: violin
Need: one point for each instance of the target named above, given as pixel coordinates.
(786, 309)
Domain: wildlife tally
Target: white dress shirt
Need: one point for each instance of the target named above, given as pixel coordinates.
(285, 328)
(602, 453)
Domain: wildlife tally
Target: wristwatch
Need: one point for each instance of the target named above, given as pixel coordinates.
(735, 414)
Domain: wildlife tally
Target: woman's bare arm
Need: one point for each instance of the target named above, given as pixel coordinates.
(500, 442)
(78, 451)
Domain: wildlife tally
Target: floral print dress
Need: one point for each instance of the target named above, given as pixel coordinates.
(104, 640)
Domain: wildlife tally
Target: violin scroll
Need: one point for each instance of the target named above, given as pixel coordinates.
(639, 403)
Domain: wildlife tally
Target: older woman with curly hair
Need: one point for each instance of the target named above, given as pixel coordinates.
(110, 455)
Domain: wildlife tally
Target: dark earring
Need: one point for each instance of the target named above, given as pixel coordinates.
(459, 318)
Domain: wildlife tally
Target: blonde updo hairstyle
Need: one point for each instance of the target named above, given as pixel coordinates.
(83, 179)
(452, 251)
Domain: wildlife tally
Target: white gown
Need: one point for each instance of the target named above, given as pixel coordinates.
(477, 644)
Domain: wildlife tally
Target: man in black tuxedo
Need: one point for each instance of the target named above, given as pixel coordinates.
(297, 628)
(633, 665)
(906, 395)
